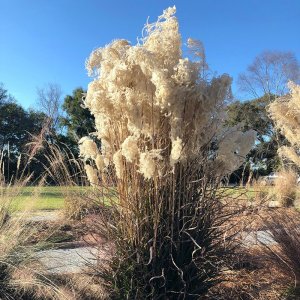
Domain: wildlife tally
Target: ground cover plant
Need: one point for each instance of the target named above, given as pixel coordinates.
(285, 187)
(164, 145)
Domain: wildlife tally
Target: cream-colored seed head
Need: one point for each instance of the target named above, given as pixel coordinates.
(99, 161)
(148, 99)
(176, 149)
(118, 162)
(147, 165)
(92, 175)
(88, 148)
(130, 149)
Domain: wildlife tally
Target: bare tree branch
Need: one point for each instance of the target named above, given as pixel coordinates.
(269, 74)
(49, 102)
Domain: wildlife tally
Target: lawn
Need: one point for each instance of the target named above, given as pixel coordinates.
(52, 197)
(47, 197)
(38, 198)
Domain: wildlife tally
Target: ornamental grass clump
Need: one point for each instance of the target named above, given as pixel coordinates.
(164, 146)
(285, 253)
(63, 169)
(285, 187)
(22, 276)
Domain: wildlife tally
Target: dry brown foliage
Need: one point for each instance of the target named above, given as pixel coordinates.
(285, 187)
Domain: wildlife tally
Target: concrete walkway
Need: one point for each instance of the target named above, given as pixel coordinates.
(76, 260)
(67, 261)
(39, 216)
(64, 261)
(44, 216)
(259, 237)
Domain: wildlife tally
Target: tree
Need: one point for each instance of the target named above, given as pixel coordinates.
(4, 96)
(3, 93)
(265, 79)
(49, 102)
(16, 124)
(269, 74)
(16, 127)
(78, 120)
(252, 114)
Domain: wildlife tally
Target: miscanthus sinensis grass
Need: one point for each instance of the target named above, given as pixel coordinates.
(285, 112)
(165, 146)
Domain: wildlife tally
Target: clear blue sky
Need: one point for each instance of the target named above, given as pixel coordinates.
(44, 41)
